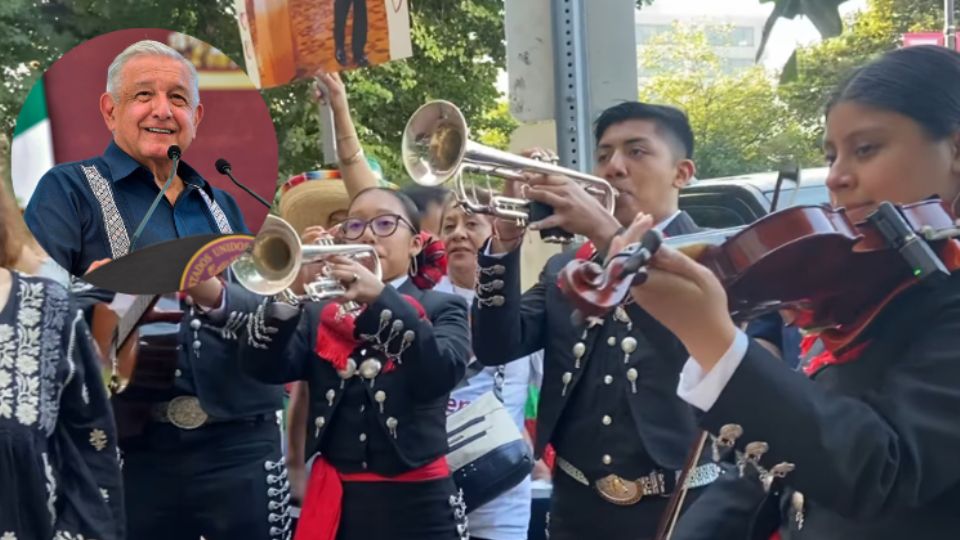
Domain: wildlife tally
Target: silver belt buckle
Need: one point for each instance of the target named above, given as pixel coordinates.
(185, 412)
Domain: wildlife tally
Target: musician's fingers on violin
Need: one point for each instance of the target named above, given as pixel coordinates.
(640, 277)
(638, 227)
(670, 260)
(632, 234)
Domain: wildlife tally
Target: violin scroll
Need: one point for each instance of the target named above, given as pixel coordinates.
(594, 289)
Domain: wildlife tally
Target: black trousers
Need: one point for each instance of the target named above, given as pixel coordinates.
(401, 511)
(340, 10)
(577, 512)
(223, 481)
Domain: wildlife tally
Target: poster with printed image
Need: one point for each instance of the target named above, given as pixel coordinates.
(288, 40)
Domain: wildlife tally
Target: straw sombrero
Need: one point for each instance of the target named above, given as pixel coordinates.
(310, 198)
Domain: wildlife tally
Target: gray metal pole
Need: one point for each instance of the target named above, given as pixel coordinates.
(950, 27)
(595, 66)
(572, 84)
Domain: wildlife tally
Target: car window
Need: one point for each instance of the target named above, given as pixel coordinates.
(721, 208)
(798, 197)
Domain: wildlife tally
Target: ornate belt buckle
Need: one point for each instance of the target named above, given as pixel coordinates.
(185, 412)
(619, 491)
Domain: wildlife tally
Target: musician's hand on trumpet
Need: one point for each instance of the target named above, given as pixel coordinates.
(309, 269)
(362, 285)
(574, 210)
(507, 233)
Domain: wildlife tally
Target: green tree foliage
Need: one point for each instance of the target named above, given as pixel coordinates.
(739, 123)
(458, 51)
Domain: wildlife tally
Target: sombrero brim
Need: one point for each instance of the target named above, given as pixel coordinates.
(312, 202)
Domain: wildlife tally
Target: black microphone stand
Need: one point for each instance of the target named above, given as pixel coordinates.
(174, 154)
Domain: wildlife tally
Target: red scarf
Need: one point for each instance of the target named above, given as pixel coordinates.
(336, 334)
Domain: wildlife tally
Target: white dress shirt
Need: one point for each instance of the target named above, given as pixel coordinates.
(703, 389)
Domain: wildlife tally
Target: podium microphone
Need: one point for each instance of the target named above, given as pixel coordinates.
(173, 152)
(223, 167)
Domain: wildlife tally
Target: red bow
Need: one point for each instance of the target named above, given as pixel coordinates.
(431, 262)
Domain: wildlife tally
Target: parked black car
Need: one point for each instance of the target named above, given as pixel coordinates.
(738, 200)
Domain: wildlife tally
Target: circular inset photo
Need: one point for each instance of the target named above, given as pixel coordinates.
(143, 160)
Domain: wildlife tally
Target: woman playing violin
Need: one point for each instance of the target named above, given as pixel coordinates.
(379, 378)
(866, 443)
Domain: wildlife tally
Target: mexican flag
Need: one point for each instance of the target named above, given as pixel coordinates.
(31, 152)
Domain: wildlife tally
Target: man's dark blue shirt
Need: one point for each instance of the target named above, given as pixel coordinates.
(65, 215)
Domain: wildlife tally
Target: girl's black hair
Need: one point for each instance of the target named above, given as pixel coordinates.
(409, 208)
(922, 83)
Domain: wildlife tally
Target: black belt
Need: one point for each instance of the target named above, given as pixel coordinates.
(186, 413)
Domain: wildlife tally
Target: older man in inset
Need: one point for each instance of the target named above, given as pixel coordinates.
(204, 458)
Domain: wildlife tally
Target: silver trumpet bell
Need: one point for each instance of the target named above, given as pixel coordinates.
(273, 262)
(436, 148)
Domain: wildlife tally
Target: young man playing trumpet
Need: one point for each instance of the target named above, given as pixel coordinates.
(620, 432)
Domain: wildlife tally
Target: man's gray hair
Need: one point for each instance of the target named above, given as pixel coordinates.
(149, 47)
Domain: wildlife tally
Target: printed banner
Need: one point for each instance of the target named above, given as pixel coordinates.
(288, 40)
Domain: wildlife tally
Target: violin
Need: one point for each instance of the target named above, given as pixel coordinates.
(834, 272)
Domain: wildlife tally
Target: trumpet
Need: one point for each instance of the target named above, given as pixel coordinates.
(436, 148)
(273, 262)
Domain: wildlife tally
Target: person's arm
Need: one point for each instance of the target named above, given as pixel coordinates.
(298, 410)
(354, 168)
(861, 458)
(506, 325)
(55, 221)
(274, 342)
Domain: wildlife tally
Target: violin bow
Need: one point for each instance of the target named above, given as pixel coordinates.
(669, 518)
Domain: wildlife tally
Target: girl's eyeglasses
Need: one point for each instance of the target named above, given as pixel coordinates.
(382, 226)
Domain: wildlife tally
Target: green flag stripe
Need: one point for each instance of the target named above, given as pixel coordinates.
(34, 109)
